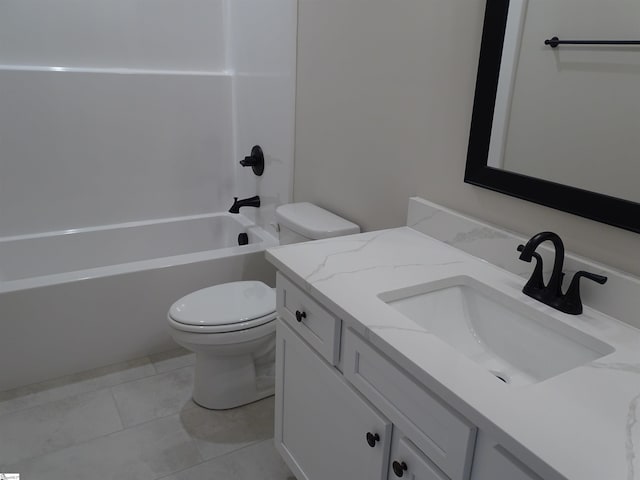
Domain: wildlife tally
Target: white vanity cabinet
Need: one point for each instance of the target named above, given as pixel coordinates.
(322, 426)
(325, 430)
(408, 462)
(372, 421)
(493, 462)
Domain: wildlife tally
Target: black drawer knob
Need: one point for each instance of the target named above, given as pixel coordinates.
(399, 468)
(300, 315)
(372, 438)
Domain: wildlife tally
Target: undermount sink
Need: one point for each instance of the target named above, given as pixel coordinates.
(519, 344)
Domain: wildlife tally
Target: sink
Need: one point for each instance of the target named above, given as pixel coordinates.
(519, 344)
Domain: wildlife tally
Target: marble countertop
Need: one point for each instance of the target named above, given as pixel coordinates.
(581, 424)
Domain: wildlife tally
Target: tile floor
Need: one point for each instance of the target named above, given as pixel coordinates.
(134, 421)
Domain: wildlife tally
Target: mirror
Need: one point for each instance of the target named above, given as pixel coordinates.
(559, 125)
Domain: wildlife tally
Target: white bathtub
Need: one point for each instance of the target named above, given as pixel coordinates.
(79, 299)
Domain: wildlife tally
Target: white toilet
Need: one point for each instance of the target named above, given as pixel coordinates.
(231, 326)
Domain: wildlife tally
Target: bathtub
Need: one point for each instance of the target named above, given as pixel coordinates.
(79, 299)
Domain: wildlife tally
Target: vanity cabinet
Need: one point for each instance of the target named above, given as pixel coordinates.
(372, 421)
(492, 461)
(443, 435)
(323, 427)
(309, 320)
(326, 430)
(408, 462)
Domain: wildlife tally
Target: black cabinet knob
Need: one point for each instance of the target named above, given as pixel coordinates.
(300, 315)
(372, 438)
(399, 468)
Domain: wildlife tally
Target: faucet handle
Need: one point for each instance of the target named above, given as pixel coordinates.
(572, 301)
(601, 279)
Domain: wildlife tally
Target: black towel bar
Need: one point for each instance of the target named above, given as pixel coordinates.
(555, 41)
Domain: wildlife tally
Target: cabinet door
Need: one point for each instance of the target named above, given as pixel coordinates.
(321, 423)
(492, 461)
(407, 462)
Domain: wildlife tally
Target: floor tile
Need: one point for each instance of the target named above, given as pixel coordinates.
(56, 425)
(172, 360)
(256, 462)
(219, 432)
(145, 452)
(154, 397)
(63, 387)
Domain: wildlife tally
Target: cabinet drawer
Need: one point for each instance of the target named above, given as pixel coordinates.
(444, 436)
(311, 321)
(410, 463)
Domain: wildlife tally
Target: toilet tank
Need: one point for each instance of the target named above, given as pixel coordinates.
(301, 222)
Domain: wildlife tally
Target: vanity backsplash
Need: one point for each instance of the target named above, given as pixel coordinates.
(619, 298)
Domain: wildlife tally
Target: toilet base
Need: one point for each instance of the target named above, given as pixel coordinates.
(224, 382)
(232, 368)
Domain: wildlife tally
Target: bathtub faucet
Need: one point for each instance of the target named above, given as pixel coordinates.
(245, 202)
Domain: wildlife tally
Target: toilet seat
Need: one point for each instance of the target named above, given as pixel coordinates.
(234, 327)
(228, 307)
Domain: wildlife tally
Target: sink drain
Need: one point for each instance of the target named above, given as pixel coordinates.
(501, 376)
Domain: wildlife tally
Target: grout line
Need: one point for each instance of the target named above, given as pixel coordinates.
(59, 449)
(153, 365)
(184, 408)
(115, 402)
(215, 459)
(65, 385)
(154, 375)
(43, 404)
(140, 425)
(116, 432)
(88, 390)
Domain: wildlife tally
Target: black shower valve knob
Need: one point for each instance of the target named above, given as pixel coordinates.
(255, 160)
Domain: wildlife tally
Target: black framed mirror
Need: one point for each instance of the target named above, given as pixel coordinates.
(606, 208)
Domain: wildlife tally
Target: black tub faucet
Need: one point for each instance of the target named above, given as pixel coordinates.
(551, 293)
(245, 202)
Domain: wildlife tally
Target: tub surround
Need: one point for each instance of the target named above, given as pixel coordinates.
(580, 424)
(137, 110)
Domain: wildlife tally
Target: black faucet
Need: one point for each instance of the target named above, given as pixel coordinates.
(551, 293)
(245, 202)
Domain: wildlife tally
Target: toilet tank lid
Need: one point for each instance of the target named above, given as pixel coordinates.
(313, 222)
(225, 304)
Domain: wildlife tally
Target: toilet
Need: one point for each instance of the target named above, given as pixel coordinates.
(231, 327)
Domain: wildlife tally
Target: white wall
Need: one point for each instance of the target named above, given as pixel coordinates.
(384, 101)
(112, 111)
(263, 60)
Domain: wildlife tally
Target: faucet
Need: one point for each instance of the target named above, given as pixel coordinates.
(245, 202)
(551, 293)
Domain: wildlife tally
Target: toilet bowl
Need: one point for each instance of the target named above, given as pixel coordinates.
(231, 327)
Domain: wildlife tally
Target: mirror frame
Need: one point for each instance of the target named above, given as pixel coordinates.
(596, 206)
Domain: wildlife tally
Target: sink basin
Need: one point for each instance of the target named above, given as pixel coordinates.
(519, 344)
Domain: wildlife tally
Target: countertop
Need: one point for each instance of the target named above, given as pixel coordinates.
(581, 424)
